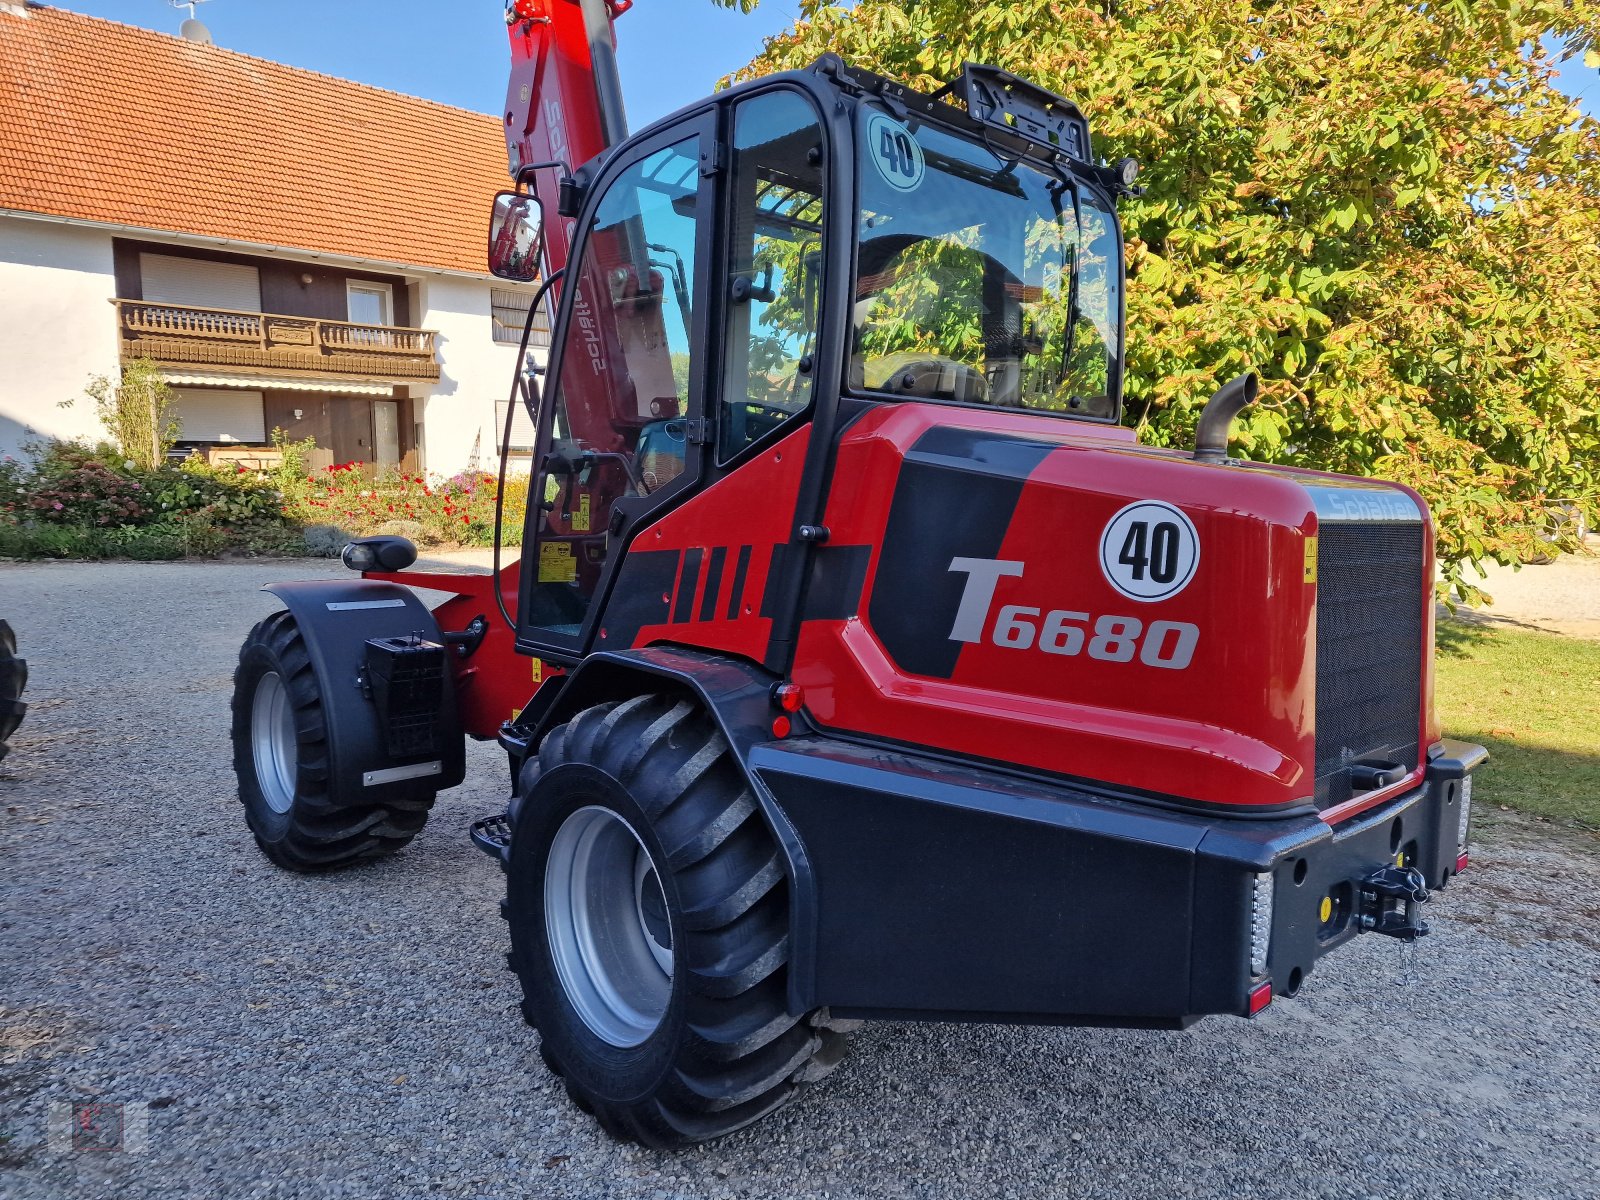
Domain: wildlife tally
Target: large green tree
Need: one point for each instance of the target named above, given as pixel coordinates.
(1387, 209)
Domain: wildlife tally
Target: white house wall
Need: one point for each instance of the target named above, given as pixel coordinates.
(459, 414)
(56, 329)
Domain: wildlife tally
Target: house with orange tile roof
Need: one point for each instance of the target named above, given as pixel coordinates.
(291, 250)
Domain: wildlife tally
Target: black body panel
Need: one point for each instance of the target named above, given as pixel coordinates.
(921, 909)
(337, 618)
(954, 498)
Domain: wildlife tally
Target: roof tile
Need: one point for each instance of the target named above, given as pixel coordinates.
(103, 121)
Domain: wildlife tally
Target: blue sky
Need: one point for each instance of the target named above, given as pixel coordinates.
(672, 51)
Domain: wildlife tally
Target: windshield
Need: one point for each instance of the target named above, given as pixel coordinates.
(980, 278)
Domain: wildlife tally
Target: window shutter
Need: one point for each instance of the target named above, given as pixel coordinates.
(169, 279)
(220, 415)
(509, 311)
(522, 430)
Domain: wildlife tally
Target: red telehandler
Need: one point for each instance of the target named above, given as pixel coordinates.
(858, 663)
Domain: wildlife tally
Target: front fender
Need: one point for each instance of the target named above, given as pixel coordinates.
(337, 618)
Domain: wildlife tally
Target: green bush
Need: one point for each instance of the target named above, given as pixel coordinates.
(78, 501)
(137, 409)
(454, 511)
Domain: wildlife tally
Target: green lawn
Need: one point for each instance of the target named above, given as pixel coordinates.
(1534, 700)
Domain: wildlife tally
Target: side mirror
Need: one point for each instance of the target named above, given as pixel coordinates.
(514, 225)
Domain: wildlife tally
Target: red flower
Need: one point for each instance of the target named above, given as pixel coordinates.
(466, 520)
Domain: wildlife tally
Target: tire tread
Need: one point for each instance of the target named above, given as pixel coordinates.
(740, 1054)
(322, 834)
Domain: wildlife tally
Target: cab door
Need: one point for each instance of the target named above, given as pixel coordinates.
(622, 428)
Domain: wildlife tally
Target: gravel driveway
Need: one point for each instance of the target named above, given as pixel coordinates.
(354, 1035)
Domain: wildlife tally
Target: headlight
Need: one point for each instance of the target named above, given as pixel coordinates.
(1260, 923)
(359, 556)
(1466, 812)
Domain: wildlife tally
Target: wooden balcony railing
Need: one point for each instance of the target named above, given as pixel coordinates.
(301, 346)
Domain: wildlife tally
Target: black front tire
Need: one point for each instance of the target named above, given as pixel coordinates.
(287, 803)
(725, 1051)
(13, 678)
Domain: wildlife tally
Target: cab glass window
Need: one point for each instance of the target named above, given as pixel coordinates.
(775, 266)
(982, 278)
(619, 426)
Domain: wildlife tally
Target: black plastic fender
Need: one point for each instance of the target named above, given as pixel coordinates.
(336, 618)
(738, 695)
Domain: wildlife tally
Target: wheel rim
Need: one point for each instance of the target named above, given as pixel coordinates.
(273, 742)
(606, 920)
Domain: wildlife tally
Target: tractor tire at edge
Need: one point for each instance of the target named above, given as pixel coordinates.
(316, 834)
(727, 1052)
(13, 679)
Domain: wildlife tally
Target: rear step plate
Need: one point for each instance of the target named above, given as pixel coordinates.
(492, 835)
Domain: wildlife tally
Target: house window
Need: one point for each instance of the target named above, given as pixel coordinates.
(510, 311)
(370, 303)
(523, 432)
(219, 415)
(199, 283)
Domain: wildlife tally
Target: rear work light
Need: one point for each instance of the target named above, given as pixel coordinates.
(1260, 923)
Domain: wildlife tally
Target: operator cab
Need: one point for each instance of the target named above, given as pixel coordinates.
(797, 247)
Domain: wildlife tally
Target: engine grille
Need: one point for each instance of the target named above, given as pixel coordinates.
(1369, 648)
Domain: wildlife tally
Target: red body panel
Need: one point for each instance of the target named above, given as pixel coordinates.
(1235, 726)
(754, 507)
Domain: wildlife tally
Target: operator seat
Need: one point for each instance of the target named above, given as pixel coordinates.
(661, 453)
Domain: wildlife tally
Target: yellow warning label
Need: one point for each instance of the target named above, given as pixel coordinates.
(1311, 560)
(556, 564)
(580, 519)
(538, 670)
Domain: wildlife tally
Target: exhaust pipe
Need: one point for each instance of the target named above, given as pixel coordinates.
(1211, 434)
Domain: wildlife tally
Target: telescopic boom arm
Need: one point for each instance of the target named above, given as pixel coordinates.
(564, 102)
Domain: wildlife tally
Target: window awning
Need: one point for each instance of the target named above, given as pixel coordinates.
(343, 387)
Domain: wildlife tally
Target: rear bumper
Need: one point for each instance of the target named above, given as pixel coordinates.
(1422, 829)
(928, 890)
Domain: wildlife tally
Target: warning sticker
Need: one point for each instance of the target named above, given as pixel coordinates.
(580, 519)
(556, 564)
(895, 153)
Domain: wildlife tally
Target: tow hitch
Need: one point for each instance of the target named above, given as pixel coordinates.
(1391, 903)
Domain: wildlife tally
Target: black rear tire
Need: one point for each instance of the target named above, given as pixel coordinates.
(287, 805)
(13, 679)
(725, 1050)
